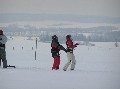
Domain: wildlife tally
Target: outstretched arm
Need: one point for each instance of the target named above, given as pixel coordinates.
(62, 48)
(70, 44)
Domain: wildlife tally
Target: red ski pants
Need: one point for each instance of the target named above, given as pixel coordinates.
(56, 62)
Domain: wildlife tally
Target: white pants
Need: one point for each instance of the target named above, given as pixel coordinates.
(71, 60)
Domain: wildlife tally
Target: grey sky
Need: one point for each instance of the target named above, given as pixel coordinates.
(109, 8)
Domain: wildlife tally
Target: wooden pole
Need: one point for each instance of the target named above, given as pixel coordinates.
(35, 55)
(36, 43)
(36, 50)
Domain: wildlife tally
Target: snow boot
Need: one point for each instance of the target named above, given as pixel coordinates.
(71, 69)
(57, 68)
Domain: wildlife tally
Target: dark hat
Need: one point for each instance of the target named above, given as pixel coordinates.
(54, 37)
(1, 32)
(68, 36)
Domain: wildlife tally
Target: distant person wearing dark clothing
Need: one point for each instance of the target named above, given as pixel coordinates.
(3, 40)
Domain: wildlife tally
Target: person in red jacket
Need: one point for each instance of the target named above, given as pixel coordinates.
(56, 47)
(70, 55)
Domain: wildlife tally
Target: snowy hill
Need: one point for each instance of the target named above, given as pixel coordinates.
(98, 67)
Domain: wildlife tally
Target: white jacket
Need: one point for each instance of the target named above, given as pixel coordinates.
(3, 39)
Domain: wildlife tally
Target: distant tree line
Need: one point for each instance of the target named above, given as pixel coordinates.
(96, 34)
(94, 37)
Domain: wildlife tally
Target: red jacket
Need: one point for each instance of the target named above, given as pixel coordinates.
(69, 44)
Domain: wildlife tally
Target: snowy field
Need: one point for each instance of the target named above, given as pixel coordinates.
(97, 67)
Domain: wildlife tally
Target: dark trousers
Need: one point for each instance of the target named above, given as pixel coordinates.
(56, 62)
(3, 57)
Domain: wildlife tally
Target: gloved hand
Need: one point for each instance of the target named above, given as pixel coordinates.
(76, 44)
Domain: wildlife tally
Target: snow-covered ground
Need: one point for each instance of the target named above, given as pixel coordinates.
(98, 67)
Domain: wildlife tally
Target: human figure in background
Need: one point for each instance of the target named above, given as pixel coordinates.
(70, 55)
(3, 40)
(56, 47)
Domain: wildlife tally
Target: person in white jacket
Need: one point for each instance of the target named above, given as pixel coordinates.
(3, 40)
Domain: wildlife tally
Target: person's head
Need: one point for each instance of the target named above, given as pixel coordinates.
(54, 37)
(1, 32)
(68, 37)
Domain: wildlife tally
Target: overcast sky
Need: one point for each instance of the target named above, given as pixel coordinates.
(109, 8)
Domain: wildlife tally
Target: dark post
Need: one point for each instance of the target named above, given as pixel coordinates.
(36, 43)
(36, 49)
(35, 55)
(13, 48)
